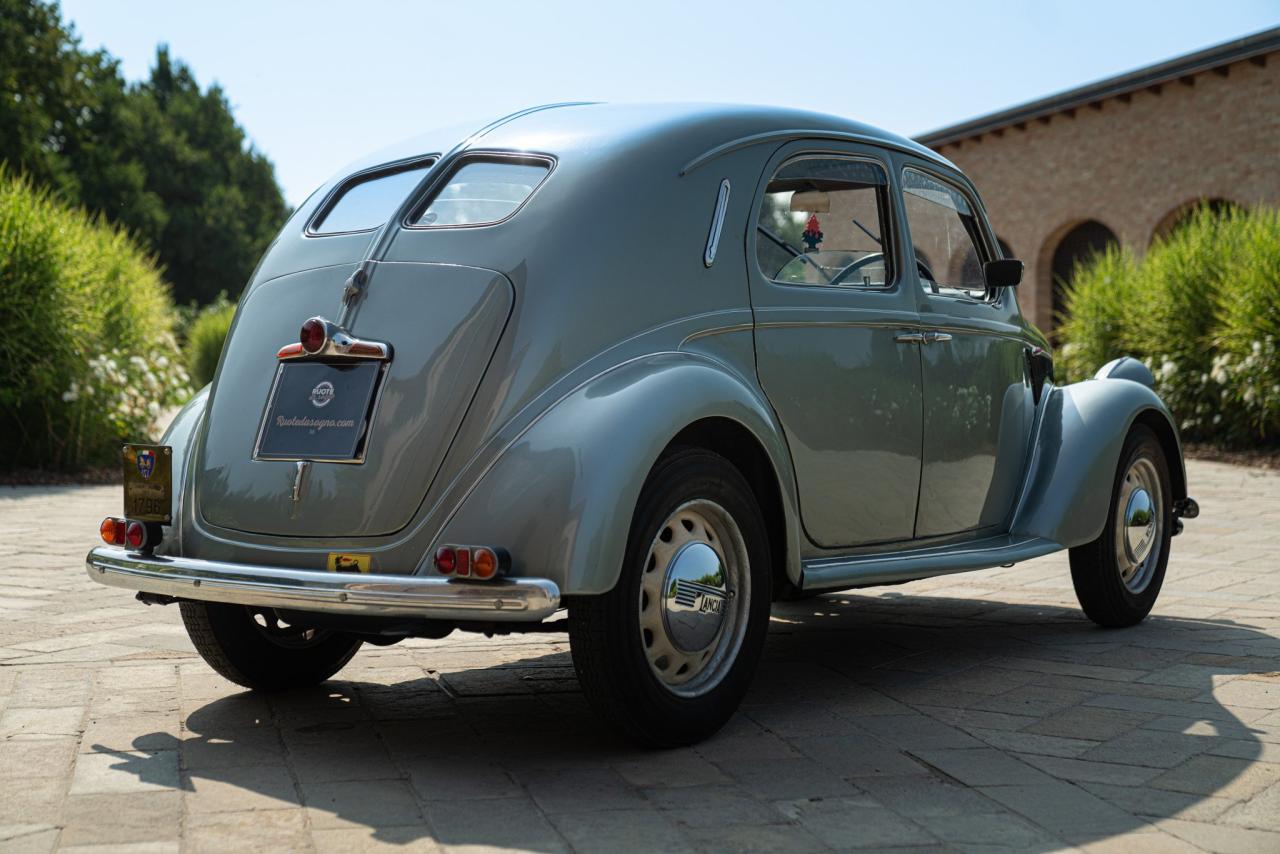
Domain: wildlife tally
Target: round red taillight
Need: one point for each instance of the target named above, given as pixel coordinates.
(135, 535)
(446, 560)
(313, 335)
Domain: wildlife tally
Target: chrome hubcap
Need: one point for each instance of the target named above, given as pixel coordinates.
(693, 595)
(1140, 520)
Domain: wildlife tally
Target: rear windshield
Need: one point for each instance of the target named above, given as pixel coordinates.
(368, 203)
(483, 191)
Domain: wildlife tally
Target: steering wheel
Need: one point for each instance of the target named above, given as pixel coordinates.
(865, 260)
(927, 274)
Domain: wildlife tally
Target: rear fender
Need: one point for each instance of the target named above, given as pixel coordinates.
(1073, 464)
(561, 497)
(179, 436)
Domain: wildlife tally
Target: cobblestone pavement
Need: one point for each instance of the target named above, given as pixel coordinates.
(972, 712)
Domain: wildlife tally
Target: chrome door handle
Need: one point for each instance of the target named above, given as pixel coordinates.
(936, 337)
(909, 338)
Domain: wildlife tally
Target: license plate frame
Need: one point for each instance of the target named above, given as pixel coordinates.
(148, 482)
(346, 419)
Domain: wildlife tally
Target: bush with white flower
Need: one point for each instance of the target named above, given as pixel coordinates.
(87, 353)
(1202, 310)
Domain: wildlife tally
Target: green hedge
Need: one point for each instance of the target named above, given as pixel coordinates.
(1202, 309)
(87, 354)
(205, 337)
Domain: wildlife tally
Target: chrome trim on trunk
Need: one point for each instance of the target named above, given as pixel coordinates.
(426, 597)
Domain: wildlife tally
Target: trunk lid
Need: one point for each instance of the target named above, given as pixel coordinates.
(443, 323)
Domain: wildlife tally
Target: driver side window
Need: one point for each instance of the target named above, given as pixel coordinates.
(824, 221)
(944, 236)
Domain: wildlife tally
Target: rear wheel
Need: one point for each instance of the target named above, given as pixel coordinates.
(259, 649)
(667, 655)
(1118, 576)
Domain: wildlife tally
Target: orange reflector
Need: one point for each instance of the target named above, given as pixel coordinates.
(112, 531)
(484, 563)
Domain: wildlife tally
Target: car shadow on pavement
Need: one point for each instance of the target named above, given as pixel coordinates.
(874, 720)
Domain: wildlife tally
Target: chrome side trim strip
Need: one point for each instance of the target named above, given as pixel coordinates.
(506, 600)
(837, 573)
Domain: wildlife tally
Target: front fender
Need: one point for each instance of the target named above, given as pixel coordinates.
(1082, 430)
(561, 497)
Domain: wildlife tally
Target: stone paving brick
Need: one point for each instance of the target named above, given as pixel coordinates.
(257, 830)
(111, 818)
(1224, 839)
(982, 767)
(493, 823)
(240, 788)
(382, 840)
(124, 772)
(26, 758)
(612, 831)
(845, 823)
(369, 803)
(974, 712)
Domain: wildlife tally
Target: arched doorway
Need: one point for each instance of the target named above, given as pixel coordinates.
(1087, 239)
(1180, 215)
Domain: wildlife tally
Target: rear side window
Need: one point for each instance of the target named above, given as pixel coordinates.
(479, 192)
(368, 203)
(944, 236)
(824, 221)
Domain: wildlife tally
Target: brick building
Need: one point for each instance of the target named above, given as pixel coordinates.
(1123, 159)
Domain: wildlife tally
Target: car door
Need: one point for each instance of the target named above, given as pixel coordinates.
(978, 407)
(834, 323)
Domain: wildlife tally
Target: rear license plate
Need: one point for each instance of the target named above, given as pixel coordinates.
(148, 483)
(319, 411)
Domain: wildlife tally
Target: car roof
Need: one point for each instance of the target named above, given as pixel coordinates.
(603, 130)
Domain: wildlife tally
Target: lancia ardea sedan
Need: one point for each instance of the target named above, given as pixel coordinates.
(653, 365)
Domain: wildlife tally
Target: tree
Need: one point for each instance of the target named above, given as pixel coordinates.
(161, 157)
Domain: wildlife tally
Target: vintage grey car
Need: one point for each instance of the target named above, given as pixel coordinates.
(652, 366)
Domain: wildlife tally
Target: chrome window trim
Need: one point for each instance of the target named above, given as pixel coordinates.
(989, 246)
(793, 135)
(438, 182)
(717, 224)
(363, 176)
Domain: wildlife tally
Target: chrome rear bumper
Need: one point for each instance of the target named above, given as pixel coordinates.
(504, 599)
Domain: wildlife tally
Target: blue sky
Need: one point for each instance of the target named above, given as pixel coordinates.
(318, 84)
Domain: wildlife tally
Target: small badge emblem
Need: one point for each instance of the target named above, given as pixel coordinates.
(146, 463)
(322, 394)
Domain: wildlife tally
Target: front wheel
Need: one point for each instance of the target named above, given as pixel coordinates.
(1117, 577)
(667, 655)
(260, 649)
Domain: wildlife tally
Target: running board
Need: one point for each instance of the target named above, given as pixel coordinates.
(836, 573)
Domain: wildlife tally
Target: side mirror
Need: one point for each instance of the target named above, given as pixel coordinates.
(1005, 273)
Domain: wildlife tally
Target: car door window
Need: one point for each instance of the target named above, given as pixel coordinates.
(944, 236)
(824, 221)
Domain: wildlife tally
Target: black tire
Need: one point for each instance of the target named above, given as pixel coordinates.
(1096, 566)
(231, 641)
(609, 654)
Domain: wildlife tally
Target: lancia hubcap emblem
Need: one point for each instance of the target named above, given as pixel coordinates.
(322, 394)
(693, 607)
